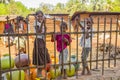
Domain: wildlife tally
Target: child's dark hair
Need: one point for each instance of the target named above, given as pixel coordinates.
(65, 24)
(39, 12)
(20, 18)
(90, 18)
(75, 15)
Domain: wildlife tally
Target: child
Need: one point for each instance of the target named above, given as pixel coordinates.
(20, 43)
(85, 42)
(40, 52)
(8, 29)
(21, 23)
(63, 40)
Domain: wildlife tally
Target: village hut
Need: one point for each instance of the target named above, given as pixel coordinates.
(3, 19)
(100, 18)
(105, 24)
(50, 21)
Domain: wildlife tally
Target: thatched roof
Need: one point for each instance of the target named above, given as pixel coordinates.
(93, 13)
(4, 18)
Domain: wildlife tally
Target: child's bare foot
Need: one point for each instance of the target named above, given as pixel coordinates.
(60, 77)
(89, 73)
(82, 73)
(65, 76)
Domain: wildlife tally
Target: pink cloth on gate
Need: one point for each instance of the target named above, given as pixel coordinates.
(60, 40)
(7, 26)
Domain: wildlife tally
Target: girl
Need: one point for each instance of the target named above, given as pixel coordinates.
(40, 52)
(63, 40)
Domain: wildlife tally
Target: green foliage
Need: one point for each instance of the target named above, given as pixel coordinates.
(116, 6)
(74, 5)
(59, 8)
(13, 8)
(46, 8)
(3, 9)
(8, 7)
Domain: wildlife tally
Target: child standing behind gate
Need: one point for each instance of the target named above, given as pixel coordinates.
(85, 41)
(40, 52)
(63, 40)
(20, 43)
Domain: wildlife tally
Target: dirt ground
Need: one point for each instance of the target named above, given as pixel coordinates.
(73, 51)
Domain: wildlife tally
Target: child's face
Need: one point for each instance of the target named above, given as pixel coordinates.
(21, 21)
(89, 23)
(40, 17)
(63, 28)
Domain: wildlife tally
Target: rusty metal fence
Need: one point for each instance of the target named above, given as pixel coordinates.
(104, 53)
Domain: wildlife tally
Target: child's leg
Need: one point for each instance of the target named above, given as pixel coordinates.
(83, 71)
(85, 53)
(88, 70)
(83, 58)
(63, 59)
(60, 62)
(65, 74)
(39, 72)
(65, 55)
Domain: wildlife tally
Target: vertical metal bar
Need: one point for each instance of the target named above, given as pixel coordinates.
(9, 50)
(97, 42)
(19, 53)
(36, 45)
(77, 48)
(69, 24)
(116, 40)
(104, 47)
(45, 50)
(9, 56)
(54, 44)
(18, 48)
(28, 45)
(62, 47)
(69, 27)
(91, 46)
(83, 48)
(110, 41)
(0, 65)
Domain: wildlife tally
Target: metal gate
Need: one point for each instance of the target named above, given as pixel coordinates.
(105, 50)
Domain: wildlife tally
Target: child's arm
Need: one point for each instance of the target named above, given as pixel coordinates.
(67, 41)
(15, 49)
(14, 44)
(42, 24)
(45, 27)
(25, 45)
(53, 37)
(37, 28)
(79, 23)
(11, 44)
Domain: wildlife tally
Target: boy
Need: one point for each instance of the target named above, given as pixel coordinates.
(85, 41)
